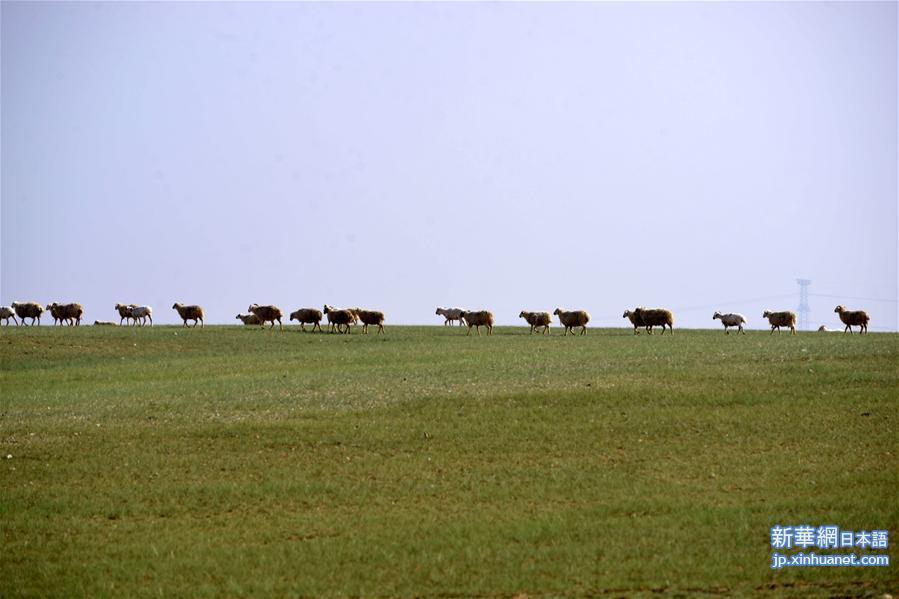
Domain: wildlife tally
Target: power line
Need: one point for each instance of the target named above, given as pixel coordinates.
(865, 299)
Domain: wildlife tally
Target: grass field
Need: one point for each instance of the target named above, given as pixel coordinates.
(236, 462)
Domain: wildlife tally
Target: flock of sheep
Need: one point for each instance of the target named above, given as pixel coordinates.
(340, 320)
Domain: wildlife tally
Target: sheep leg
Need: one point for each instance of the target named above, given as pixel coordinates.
(381, 329)
(584, 330)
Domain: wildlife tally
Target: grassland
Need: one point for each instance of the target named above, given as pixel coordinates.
(234, 462)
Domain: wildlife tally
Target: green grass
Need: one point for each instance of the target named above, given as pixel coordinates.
(236, 462)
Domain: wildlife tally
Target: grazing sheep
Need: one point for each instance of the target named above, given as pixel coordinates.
(340, 318)
(537, 319)
(267, 314)
(370, 317)
(852, 318)
(308, 316)
(248, 319)
(636, 320)
(124, 311)
(32, 310)
(6, 313)
(573, 318)
(653, 317)
(781, 319)
(477, 320)
(824, 329)
(104, 323)
(451, 315)
(194, 313)
(731, 320)
(142, 313)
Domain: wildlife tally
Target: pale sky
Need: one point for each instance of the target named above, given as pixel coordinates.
(491, 156)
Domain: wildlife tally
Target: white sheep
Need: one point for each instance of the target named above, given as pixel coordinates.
(248, 319)
(451, 315)
(731, 320)
(142, 313)
(6, 313)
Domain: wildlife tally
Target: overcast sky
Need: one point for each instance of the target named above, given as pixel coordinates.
(499, 156)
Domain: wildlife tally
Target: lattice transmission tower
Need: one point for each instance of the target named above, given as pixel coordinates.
(804, 309)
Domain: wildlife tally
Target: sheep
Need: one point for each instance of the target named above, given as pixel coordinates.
(731, 320)
(451, 315)
(68, 313)
(266, 314)
(636, 320)
(477, 320)
(104, 323)
(55, 312)
(573, 318)
(852, 318)
(124, 311)
(142, 313)
(370, 317)
(73, 312)
(6, 313)
(308, 315)
(781, 319)
(537, 319)
(32, 310)
(653, 317)
(248, 319)
(194, 313)
(339, 318)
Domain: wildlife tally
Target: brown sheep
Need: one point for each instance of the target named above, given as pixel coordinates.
(266, 314)
(308, 315)
(636, 320)
(573, 318)
(194, 313)
(248, 319)
(71, 312)
(124, 311)
(340, 318)
(370, 317)
(781, 319)
(6, 313)
(477, 320)
(852, 318)
(537, 319)
(55, 311)
(32, 310)
(653, 317)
